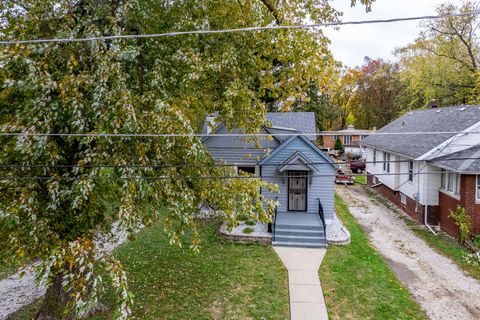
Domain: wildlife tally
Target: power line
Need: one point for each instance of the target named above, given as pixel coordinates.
(164, 135)
(247, 29)
(177, 177)
(186, 165)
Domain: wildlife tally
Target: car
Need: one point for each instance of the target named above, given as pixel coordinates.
(357, 166)
(343, 178)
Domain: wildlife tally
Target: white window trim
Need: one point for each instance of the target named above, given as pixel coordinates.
(411, 172)
(450, 194)
(236, 165)
(477, 189)
(386, 163)
(455, 176)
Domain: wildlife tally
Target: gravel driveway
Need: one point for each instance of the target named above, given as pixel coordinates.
(436, 283)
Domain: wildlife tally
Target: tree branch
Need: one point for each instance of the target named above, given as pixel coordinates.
(273, 10)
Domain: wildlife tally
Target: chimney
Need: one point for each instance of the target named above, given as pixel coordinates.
(350, 127)
(433, 104)
(210, 122)
(374, 128)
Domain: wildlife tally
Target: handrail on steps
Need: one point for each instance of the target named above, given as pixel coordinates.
(322, 215)
(274, 221)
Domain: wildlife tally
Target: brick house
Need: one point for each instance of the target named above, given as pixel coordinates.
(349, 137)
(427, 162)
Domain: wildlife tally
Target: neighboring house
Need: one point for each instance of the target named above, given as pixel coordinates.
(291, 160)
(350, 139)
(427, 162)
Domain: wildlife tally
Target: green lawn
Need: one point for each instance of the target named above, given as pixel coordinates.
(361, 179)
(224, 281)
(357, 282)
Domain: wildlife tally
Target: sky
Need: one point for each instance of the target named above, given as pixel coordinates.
(351, 44)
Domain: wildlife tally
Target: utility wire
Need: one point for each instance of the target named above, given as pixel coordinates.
(177, 177)
(186, 165)
(159, 135)
(248, 29)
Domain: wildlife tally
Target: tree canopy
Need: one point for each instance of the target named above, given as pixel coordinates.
(61, 193)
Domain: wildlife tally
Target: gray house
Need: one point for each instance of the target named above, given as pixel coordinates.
(304, 174)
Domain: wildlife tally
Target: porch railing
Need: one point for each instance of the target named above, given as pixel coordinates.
(321, 214)
(274, 222)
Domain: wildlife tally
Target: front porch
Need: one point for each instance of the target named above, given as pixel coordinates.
(299, 229)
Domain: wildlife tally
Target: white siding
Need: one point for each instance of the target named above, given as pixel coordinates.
(419, 188)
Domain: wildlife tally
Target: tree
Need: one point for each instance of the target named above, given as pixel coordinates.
(61, 193)
(442, 63)
(376, 99)
(338, 145)
(319, 102)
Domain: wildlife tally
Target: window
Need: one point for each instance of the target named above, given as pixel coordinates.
(403, 198)
(442, 183)
(456, 185)
(246, 169)
(347, 139)
(334, 138)
(451, 182)
(410, 171)
(386, 162)
(374, 156)
(478, 186)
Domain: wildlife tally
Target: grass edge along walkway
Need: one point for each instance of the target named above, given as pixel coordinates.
(358, 283)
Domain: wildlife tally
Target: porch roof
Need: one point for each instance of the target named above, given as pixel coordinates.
(297, 161)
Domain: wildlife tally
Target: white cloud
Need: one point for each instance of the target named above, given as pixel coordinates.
(351, 44)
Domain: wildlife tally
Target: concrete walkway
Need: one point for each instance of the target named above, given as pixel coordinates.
(306, 295)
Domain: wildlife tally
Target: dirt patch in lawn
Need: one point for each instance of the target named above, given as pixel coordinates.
(436, 282)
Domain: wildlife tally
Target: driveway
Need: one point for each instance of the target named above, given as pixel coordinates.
(436, 282)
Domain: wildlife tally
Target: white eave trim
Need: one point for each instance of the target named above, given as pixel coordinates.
(428, 155)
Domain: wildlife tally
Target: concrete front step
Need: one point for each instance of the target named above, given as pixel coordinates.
(302, 232)
(299, 244)
(299, 238)
(297, 226)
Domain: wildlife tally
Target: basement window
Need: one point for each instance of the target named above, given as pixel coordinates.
(403, 198)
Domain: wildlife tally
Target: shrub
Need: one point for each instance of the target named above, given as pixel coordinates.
(250, 223)
(462, 221)
(247, 230)
(242, 217)
(338, 145)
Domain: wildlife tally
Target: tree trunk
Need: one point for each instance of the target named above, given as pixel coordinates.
(55, 301)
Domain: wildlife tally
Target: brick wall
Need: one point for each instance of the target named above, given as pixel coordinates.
(467, 200)
(328, 142)
(414, 209)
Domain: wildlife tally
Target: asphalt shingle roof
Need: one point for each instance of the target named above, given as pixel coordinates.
(303, 122)
(449, 119)
(465, 161)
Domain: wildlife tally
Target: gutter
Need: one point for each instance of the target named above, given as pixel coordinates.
(426, 210)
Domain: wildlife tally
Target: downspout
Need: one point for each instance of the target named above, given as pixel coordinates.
(426, 206)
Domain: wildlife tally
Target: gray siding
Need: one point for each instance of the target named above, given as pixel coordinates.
(235, 149)
(320, 187)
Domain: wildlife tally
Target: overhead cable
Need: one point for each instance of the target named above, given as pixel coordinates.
(236, 30)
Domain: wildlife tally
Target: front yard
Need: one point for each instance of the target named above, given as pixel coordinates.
(224, 281)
